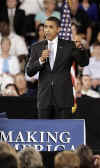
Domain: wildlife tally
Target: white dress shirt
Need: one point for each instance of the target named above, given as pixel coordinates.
(11, 11)
(54, 48)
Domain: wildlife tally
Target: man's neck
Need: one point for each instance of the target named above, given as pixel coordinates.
(54, 40)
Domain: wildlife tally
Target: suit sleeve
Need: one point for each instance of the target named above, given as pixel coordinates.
(33, 66)
(81, 56)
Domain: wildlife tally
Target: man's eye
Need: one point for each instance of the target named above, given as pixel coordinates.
(51, 27)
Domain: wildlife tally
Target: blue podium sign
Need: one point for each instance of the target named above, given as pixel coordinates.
(44, 135)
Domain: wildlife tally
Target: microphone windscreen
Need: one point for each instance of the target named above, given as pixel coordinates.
(46, 45)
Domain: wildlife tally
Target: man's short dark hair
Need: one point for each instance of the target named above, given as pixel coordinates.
(30, 158)
(67, 159)
(86, 156)
(8, 160)
(54, 19)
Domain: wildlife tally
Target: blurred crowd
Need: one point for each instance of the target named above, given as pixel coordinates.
(82, 157)
(22, 24)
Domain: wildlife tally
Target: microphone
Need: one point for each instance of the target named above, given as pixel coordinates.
(45, 45)
(46, 48)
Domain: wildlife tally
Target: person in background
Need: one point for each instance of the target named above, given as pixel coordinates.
(78, 87)
(39, 35)
(21, 84)
(59, 5)
(68, 159)
(14, 16)
(8, 156)
(31, 10)
(18, 46)
(30, 158)
(91, 9)
(49, 10)
(80, 16)
(8, 63)
(93, 69)
(86, 87)
(85, 154)
(74, 30)
(97, 39)
(6, 148)
(10, 90)
(5, 79)
(8, 160)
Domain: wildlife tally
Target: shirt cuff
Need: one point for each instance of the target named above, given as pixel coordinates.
(41, 62)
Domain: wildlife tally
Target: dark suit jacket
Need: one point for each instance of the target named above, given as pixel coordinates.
(59, 79)
(19, 20)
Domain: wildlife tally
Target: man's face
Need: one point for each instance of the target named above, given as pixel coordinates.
(51, 30)
(75, 4)
(96, 52)
(11, 3)
(86, 80)
(5, 46)
(20, 81)
(49, 5)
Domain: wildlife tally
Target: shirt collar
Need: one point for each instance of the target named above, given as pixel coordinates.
(54, 41)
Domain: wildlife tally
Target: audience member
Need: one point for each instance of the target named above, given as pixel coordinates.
(93, 69)
(8, 160)
(18, 46)
(82, 19)
(86, 87)
(67, 159)
(10, 90)
(5, 79)
(74, 30)
(96, 159)
(14, 16)
(86, 156)
(21, 84)
(91, 9)
(59, 6)
(39, 36)
(78, 87)
(97, 39)
(49, 10)
(40, 33)
(8, 63)
(6, 148)
(32, 8)
(30, 158)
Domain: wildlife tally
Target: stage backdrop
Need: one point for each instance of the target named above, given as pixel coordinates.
(44, 135)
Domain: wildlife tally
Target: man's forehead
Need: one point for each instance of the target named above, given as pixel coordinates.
(50, 22)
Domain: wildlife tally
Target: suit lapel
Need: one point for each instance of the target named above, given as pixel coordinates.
(59, 53)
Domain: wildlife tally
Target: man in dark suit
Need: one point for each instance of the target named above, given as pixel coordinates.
(14, 16)
(55, 93)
